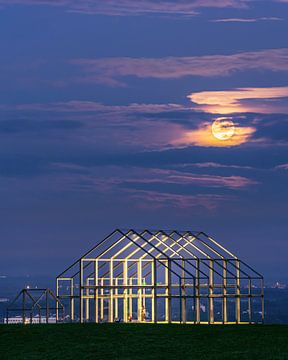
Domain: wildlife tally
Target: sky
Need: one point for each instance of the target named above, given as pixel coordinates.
(142, 114)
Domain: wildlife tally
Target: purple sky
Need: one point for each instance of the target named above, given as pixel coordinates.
(106, 110)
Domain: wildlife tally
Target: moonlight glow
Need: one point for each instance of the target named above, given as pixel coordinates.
(223, 129)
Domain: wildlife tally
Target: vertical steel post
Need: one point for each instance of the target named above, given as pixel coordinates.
(23, 306)
(81, 292)
(249, 301)
(211, 292)
(224, 293)
(102, 299)
(57, 295)
(154, 291)
(198, 292)
(169, 293)
(238, 307)
(96, 301)
(47, 306)
(87, 300)
(72, 300)
(194, 299)
(111, 303)
(139, 292)
(180, 299)
(262, 301)
(125, 283)
(116, 299)
(166, 282)
(130, 300)
(183, 292)
(40, 320)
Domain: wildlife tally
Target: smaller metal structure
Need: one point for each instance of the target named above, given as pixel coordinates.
(35, 306)
(161, 277)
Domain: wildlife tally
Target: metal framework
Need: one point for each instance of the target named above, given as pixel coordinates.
(161, 277)
(39, 302)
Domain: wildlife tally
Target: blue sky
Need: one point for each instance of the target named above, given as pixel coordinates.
(106, 116)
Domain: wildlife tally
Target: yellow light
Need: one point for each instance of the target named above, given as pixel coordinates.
(223, 129)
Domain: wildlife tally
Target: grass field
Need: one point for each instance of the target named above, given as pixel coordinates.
(135, 341)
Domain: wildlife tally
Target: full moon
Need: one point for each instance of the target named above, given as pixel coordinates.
(223, 129)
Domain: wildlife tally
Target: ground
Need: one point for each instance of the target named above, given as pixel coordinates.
(146, 341)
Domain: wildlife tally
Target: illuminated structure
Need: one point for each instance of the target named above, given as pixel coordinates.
(161, 277)
(35, 306)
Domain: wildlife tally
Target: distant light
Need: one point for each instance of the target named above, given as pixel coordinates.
(223, 128)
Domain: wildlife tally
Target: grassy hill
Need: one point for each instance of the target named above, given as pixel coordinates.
(148, 341)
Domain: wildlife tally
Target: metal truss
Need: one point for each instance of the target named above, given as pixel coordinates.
(35, 302)
(161, 277)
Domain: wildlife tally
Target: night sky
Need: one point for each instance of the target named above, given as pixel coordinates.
(106, 114)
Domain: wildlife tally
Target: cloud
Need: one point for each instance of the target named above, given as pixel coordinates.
(281, 167)
(133, 8)
(157, 199)
(164, 176)
(183, 8)
(31, 126)
(246, 20)
(151, 186)
(137, 126)
(133, 177)
(203, 136)
(214, 165)
(109, 71)
(117, 71)
(177, 8)
(238, 100)
(123, 126)
(76, 106)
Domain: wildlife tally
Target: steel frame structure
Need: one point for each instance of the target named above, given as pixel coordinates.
(35, 301)
(161, 277)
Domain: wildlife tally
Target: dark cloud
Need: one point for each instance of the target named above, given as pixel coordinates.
(31, 126)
